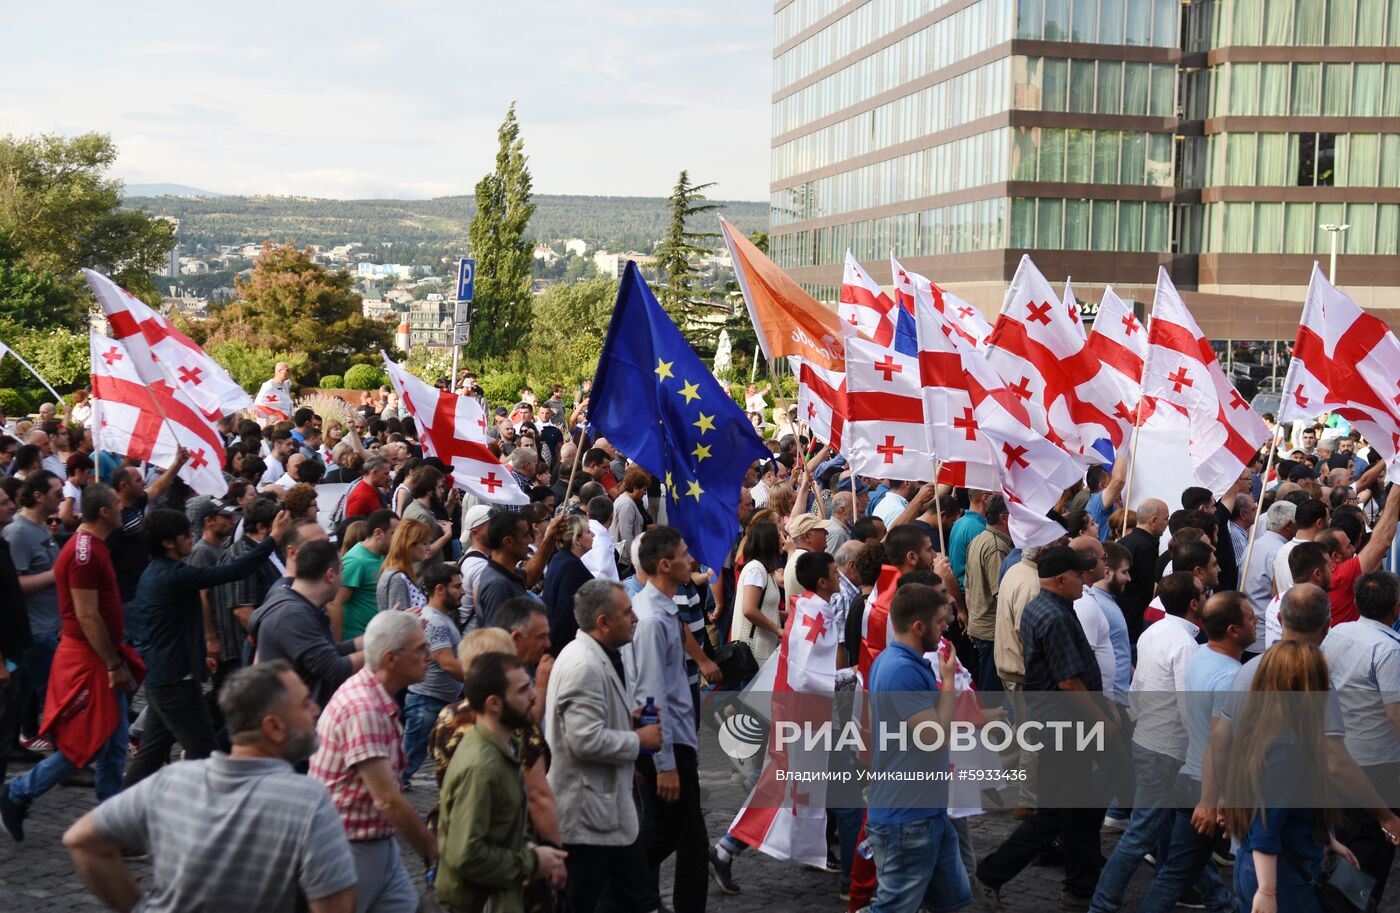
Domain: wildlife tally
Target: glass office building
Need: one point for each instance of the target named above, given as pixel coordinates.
(1104, 137)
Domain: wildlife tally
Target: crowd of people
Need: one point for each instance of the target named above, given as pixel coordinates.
(553, 665)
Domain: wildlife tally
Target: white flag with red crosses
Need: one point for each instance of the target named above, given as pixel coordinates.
(453, 429)
(151, 421)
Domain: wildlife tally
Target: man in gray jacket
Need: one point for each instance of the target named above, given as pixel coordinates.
(291, 624)
(595, 740)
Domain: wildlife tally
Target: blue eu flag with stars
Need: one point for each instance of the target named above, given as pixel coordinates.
(657, 402)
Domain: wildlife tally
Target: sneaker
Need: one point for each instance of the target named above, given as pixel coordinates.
(722, 874)
(988, 896)
(843, 894)
(1191, 899)
(833, 863)
(135, 855)
(38, 743)
(1074, 902)
(1223, 855)
(1117, 825)
(12, 815)
(1150, 859)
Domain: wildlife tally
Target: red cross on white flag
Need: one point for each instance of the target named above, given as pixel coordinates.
(164, 354)
(452, 430)
(150, 421)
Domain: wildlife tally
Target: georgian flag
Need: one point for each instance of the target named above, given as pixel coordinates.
(1038, 346)
(912, 291)
(785, 818)
(1345, 361)
(821, 401)
(151, 421)
(1183, 381)
(453, 429)
(865, 306)
(163, 353)
(885, 436)
(1119, 341)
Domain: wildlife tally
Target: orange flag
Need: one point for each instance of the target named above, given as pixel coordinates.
(788, 321)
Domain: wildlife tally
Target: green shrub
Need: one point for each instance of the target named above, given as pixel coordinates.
(364, 377)
(14, 402)
(503, 388)
(332, 382)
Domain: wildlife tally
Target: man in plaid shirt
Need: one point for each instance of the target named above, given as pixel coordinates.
(361, 759)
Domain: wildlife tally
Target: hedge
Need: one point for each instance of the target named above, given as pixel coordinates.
(331, 382)
(364, 377)
(14, 402)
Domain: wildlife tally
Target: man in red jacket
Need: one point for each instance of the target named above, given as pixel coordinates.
(93, 672)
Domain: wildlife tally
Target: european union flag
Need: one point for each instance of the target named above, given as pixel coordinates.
(656, 401)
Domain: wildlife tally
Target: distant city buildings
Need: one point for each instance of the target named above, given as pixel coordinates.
(378, 270)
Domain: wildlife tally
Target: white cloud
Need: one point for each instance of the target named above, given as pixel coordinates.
(404, 99)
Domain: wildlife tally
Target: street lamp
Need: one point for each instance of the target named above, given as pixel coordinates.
(1334, 231)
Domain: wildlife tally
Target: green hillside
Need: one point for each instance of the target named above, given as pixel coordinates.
(612, 223)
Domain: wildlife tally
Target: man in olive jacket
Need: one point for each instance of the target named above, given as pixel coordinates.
(484, 861)
(590, 726)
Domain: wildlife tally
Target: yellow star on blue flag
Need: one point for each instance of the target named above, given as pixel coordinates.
(656, 401)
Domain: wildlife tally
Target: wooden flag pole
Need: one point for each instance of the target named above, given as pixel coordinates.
(578, 455)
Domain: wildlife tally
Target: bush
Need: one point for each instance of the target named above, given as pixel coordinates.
(13, 402)
(503, 388)
(249, 365)
(364, 377)
(332, 382)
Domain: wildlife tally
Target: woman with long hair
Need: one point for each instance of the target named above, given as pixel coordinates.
(759, 622)
(398, 582)
(400, 485)
(1279, 799)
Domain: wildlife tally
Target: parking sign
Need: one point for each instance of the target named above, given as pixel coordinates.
(466, 278)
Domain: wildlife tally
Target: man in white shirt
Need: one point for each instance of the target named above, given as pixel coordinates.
(1308, 563)
(1309, 520)
(288, 478)
(475, 521)
(1363, 659)
(283, 444)
(274, 399)
(1159, 736)
(601, 559)
(1091, 617)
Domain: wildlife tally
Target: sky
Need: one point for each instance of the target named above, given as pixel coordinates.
(356, 99)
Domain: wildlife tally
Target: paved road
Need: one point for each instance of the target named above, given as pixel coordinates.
(37, 877)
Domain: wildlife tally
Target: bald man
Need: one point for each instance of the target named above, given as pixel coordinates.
(274, 400)
(1143, 546)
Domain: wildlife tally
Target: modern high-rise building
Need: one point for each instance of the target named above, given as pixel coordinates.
(1103, 137)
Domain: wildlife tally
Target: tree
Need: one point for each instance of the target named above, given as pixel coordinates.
(28, 298)
(291, 304)
(673, 254)
(61, 214)
(570, 322)
(759, 237)
(249, 365)
(504, 260)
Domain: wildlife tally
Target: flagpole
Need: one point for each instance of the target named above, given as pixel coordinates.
(1132, 464)
(578, 454)
(938, 506)
(20, 358)
(1254, 527)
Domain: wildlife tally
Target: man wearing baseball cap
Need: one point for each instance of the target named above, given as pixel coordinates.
(808, 534)
(1058, 659)
(474, 523)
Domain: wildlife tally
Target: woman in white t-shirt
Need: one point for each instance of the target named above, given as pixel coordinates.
(759, 621)
(754, 398)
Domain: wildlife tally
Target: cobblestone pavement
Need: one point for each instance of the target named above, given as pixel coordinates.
(37, 876)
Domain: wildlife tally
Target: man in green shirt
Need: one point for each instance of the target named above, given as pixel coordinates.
(484, 861)
(355, 604)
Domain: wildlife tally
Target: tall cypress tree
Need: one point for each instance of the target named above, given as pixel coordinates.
(501, 312)
(673, 254)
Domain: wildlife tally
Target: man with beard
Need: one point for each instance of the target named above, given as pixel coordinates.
(213, 824)
(481, 831)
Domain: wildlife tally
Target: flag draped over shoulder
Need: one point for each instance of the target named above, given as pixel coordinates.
(163, 353)
(453, 429)
(654, 399)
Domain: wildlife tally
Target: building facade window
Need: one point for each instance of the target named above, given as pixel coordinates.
(1141, 23)
(1292, 228)
(979, 225)
(1105, 225)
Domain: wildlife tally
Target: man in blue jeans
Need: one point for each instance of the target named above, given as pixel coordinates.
(915, 847)
(92, 677)
(443, 683)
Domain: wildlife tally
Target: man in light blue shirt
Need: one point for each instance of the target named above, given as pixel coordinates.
(671, 809)
(1101, 503)
(1229, 625)
(1363, 659)
(965, 529)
